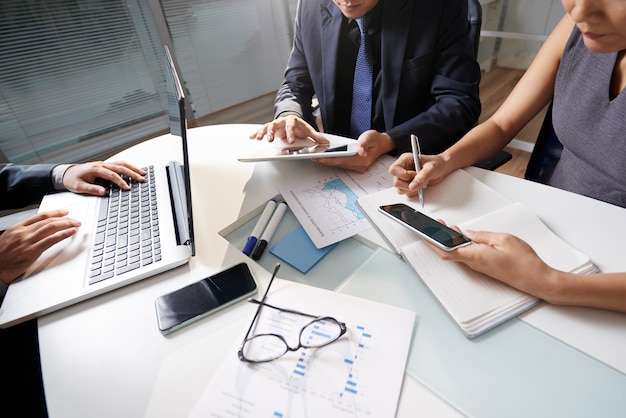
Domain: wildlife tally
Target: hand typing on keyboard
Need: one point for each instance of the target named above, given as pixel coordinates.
(87, 178)
(22, 243)
(127, 235)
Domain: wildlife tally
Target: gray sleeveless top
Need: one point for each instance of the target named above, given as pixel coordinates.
(591, 127)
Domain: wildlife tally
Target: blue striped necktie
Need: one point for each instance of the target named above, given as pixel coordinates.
(361, 116)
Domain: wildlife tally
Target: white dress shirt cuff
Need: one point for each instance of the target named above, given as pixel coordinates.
(57, 175)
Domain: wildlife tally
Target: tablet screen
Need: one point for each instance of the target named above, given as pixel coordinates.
(303, 148)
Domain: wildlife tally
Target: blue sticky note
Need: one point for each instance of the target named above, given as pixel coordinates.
(298, 250)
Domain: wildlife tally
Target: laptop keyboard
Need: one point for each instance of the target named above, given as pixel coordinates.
(127, 235)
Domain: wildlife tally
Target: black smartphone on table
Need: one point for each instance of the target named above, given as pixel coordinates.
(197, 300)
(428, 228)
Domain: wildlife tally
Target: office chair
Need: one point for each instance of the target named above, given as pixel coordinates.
(475, 18)
(546, 152)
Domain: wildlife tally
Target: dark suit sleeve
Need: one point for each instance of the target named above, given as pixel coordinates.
(296, 93)
(23, 185)
(430, 77)
(450, 107)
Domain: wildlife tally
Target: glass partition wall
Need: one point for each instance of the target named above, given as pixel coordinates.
(80, 79)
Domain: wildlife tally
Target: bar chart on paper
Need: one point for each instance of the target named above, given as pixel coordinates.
(360, 353)
(349, 372)
(358, 375)
(334, 382)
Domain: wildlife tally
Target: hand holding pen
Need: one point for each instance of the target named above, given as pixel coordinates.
(417, 156)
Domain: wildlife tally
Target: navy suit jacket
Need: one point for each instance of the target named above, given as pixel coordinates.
(430, 76)
(23, 185)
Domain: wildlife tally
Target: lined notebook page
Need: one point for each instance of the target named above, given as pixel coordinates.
(516, 219)
(459, 198)
(468, 296)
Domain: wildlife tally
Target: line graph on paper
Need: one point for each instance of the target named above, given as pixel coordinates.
(336, 202)
(326, 203)
(326, 206)
(375, 179)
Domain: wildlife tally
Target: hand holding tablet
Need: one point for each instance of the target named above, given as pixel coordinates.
(304, 149)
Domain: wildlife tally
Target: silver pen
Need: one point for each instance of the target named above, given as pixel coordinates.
(417, 156)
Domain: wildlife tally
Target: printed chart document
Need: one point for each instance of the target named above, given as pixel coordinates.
(359, 375)
(475, 301)
(326, 204)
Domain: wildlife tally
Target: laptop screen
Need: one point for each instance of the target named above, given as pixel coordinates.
(178, 127)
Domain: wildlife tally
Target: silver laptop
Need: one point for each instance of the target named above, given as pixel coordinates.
(112, 248)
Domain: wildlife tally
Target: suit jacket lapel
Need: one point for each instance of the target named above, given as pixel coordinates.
(397, 16)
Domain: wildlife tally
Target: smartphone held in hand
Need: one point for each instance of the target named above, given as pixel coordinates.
(428, 228)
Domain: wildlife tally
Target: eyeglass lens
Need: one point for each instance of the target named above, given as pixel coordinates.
(267, 347)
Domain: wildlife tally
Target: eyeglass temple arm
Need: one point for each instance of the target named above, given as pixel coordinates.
(260, 302)
(256, 314)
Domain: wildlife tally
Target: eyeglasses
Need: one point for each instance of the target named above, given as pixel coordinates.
(261, 348)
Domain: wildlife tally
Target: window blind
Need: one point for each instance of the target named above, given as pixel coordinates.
(78, 78)
(229, 51)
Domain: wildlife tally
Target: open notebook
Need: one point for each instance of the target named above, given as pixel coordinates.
(475, 301)
(105, 256)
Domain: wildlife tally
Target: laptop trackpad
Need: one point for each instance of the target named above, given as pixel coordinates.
(68, 250)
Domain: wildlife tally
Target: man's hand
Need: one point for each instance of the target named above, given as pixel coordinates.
(80, 178)
(290, 128)
(22, 243)
(371, 145)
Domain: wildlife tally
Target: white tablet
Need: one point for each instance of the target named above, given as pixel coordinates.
(302, 149)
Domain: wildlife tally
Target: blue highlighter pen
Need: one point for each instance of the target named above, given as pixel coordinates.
(259, 227)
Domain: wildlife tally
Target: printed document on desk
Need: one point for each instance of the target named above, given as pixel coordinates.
(475, 301)
(326, 204)
(360, 374)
